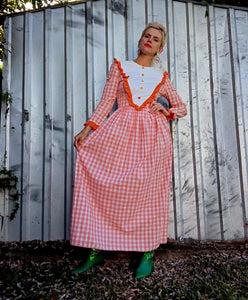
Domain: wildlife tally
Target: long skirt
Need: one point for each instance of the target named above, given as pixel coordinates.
(122, 183)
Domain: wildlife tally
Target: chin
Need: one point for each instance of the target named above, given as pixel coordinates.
(147, 52)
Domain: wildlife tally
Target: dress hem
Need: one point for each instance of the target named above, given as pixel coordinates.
(94, 246)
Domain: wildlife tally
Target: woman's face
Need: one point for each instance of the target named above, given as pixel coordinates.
(151, 42)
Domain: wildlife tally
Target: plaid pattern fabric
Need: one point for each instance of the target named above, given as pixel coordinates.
(123, 171)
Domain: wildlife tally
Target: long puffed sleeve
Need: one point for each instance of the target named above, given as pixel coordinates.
(108, 98)
(178, 108)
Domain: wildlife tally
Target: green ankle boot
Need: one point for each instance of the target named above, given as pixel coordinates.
(146, 264)
(95, 258)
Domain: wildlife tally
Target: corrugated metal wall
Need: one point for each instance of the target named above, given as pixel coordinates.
(55, 73)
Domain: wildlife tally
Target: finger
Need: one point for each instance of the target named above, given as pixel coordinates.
(153, 105)
(76, 146)
(153, 109)
(80, 141)
(77, 143)
(156, 104)
(159, 106)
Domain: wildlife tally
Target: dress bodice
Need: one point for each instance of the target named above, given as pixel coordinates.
(142, 80)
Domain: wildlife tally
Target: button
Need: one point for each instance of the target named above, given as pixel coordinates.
(141, 87)
(143, 67)
(139, 97)
(142, 80)
(142, 74)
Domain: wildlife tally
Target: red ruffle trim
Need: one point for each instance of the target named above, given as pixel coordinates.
(93, 125)
(129, 93)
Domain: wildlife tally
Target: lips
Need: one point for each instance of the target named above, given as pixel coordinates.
(148, 45)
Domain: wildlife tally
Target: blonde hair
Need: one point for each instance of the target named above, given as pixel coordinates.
(159, 27)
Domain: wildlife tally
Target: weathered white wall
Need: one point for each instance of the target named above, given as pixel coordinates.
(55, 73)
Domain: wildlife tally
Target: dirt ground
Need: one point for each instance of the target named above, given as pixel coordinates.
(182, 270)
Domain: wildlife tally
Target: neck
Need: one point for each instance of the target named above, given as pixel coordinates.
(144, 60)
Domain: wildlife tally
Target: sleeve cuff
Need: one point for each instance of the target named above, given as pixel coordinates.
(93, 125)
(171, 116)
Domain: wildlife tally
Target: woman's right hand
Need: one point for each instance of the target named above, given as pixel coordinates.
(81, 136)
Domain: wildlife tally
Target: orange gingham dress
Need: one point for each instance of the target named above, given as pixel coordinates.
(123, 170)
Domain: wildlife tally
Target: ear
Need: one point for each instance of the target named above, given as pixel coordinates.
(161, 49)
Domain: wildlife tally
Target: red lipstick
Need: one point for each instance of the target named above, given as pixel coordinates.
(148, 45)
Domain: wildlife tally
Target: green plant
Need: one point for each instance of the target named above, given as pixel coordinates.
(6, 97)
(8, 181)
(3, 45)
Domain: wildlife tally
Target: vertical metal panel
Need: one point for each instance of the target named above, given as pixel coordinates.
(47, 138)
(118, 11)
(16, 123)
(157, 13)
(214, 211)
(79, 67)
(99, 49)
(68, 120)
(184, 188)
(56, 72)
(226, 137)
(4, 136)
(173, 228)
(136, 17)
(239, 121)
(240, 46)
(180, 49)
(33, 128)
(57, 115)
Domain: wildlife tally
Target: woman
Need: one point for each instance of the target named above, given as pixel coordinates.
(122, 185)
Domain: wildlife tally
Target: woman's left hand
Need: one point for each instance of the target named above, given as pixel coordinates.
(156, 107)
